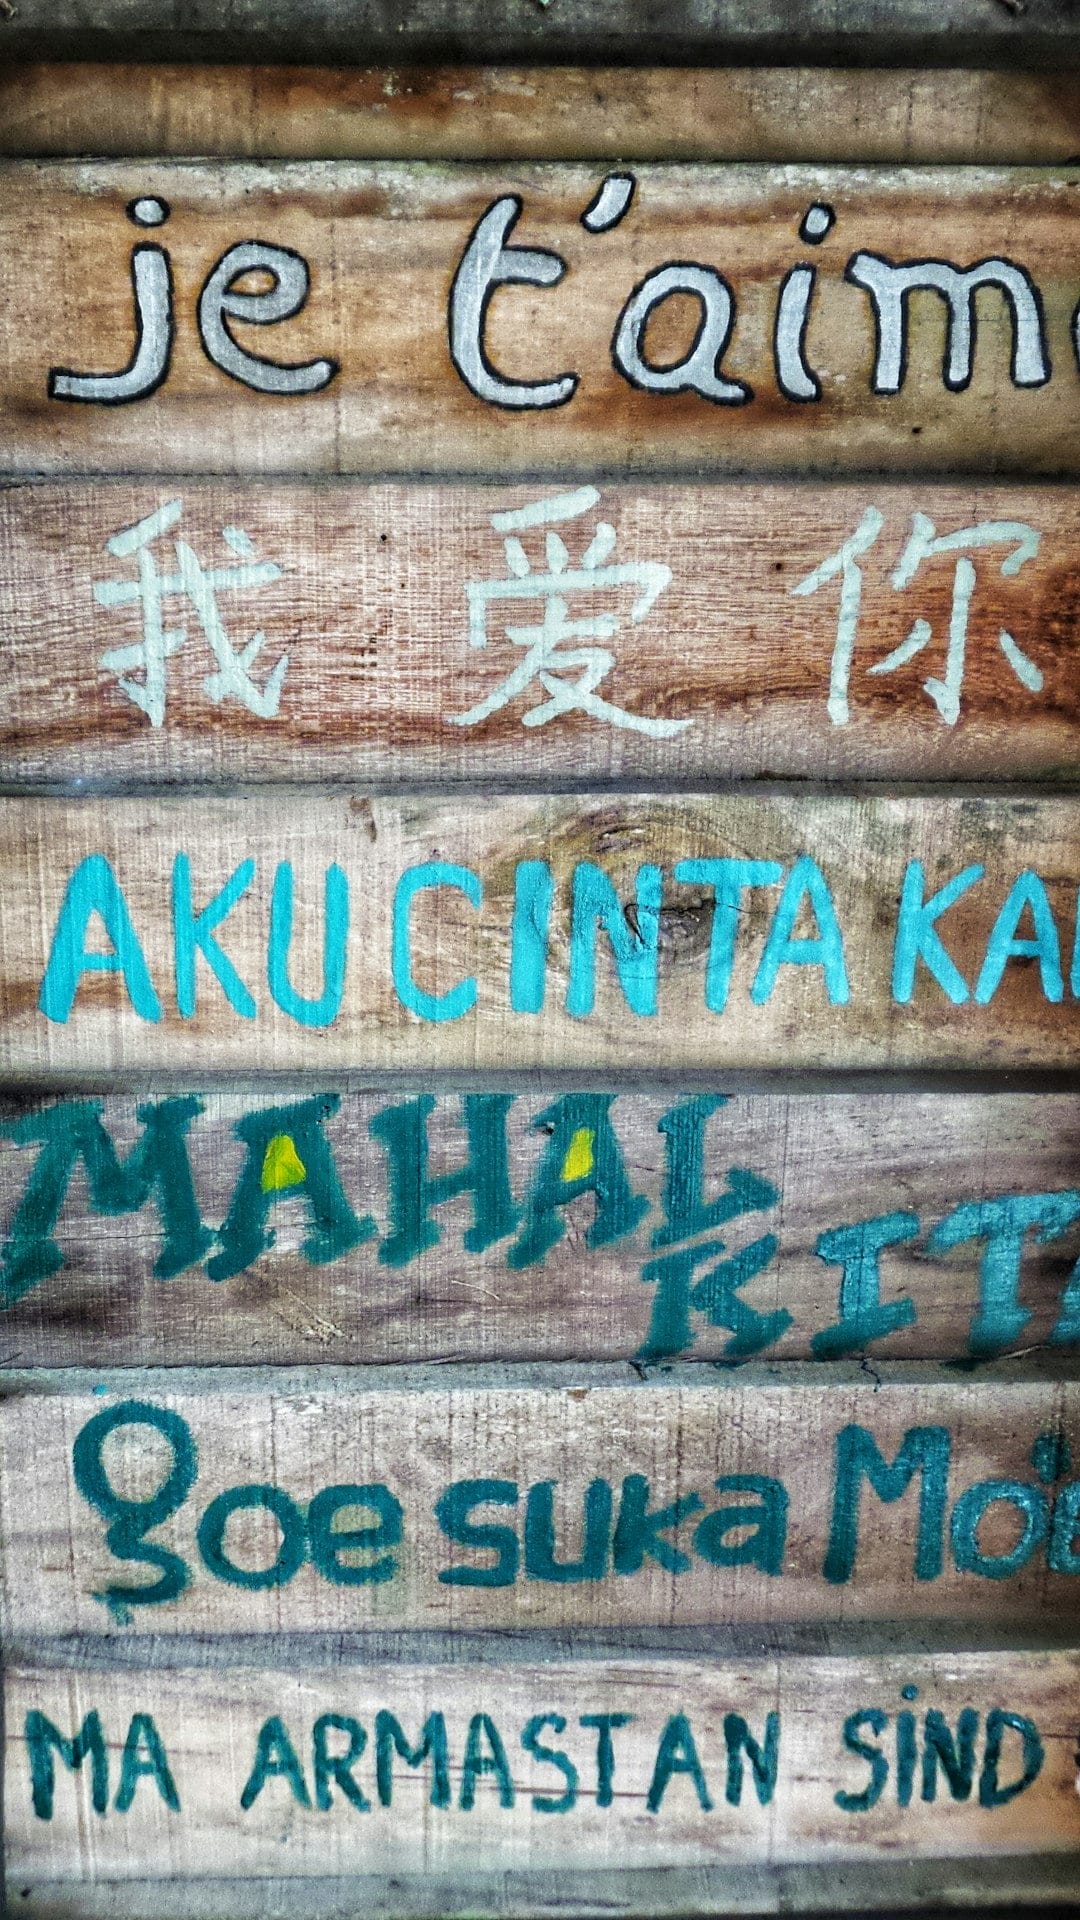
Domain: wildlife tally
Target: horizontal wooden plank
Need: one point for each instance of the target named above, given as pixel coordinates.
(429, 331)
(391, 651)
(952, 31)
(664, 1763)
(313, 1500)
(503, 113)
(572, 931)
(784, 1196)
(937, 1889)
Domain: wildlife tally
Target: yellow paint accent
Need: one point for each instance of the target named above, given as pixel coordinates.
(282, 1165)
(579, 1155)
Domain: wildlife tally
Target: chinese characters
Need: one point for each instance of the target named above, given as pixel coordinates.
(199, 587)
(569, 675)
(924, 542)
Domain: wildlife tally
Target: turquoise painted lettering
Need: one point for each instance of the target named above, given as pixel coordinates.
(729, 879)
(459, 999)
(766, 1518)
(1026, 894)
(540, 1556)
(716, 1295)
(805, 884)
(94, 888)
(452, 1510)
(127, 1522)
(323, 1011)
(193, 933)
(917, 937)
(634, 938)
(534, 891)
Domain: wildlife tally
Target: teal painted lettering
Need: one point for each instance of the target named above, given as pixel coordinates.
(1027, 892)
(634, 938)
(605, 1724)
(144, 1757)
(1051, 1456)
(677, 1753)
(323, 1011)
(805, 882)
(917, 937)
(43, 1740)
(1074, 970)
(390, 1739)
(540, 1560)
(728, 879)
(157, 1168)
(452, 1510)
(764, 1758)
(552, 1757)
(275, 1759)
(877, 1721)
(460, 999)
(414, 1193)
(991, 1791)
(193, 933)
(715, 1294)
(1033, 1508)
(763, 1547)
(618, 1209)
(1063, 1553)
(94, 888)
(292, 1550)
(477, 1763)
(534, 891)
(907, 1751)
(333, 1227)
(637, 1531)
(686, 1210)
(857, 1251)
(924, 1450)
(335, 1769)
(956, 1757)
(1003, 1221)
(128, 1521)
(327, 1543)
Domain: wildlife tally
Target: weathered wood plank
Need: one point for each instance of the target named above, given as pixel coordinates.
(952, 31)
(798, 1187)
(580, 932)
(540, 113)
(371, 596)
(170, 1503)
(760, 1761)
(393, 360)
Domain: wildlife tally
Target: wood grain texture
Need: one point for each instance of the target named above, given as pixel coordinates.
(210, 1726)
(371, 608)
(957, 31)
(536, 1440)
(86, 1287)
(383, 244)
(540, 113)
(457, 989)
